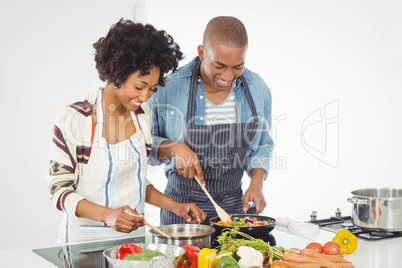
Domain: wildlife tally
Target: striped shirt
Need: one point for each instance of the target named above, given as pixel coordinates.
(222, 113)
(71, 148)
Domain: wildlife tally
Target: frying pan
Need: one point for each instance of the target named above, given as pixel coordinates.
(261, 232)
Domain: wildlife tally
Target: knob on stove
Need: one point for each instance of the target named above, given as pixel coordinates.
(338, 212)
(313, 215)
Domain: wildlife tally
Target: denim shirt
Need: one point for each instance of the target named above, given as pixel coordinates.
(169, 119)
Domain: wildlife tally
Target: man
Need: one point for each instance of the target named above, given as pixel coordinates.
(212, 120)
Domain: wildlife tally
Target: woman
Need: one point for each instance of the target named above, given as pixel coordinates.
(98, 158)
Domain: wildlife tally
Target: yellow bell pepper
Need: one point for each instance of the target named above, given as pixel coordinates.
(206, 258)
(346, 240)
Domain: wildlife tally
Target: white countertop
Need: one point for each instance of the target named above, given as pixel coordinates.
(383, 253)
(369, 254)
(23, 257)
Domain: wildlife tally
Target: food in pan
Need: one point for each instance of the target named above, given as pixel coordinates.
(243, 222)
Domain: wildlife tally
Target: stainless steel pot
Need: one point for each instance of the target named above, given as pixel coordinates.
(377, 209)
(185, 234)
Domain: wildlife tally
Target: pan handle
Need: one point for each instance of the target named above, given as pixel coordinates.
(251, 209)
(358, 200)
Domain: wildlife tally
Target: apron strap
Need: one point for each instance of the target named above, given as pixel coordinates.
(135, 121)
(249, 98)
(193, 90)
(99, 112)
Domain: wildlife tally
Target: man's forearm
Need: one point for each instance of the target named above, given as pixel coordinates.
(166, 149)
(257, 176)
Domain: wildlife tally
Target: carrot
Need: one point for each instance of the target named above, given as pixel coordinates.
(346, 265)
(296, 250)
(311, 265)
(333, 258)
(303, 264)
(294, 257)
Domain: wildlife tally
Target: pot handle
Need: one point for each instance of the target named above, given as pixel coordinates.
(358, 200)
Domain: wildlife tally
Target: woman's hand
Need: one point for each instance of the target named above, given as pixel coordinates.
(123, 222)
(190, 212)
(115, 218)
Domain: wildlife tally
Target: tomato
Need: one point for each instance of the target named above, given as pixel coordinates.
(331, 248)
(279, 264)
(317, 247)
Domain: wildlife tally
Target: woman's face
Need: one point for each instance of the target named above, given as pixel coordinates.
(138, 88)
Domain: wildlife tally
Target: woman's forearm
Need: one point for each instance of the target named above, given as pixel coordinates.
(158, 199)
(92, 211)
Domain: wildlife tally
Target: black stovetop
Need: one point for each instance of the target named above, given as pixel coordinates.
(85, 254)
(334, 224)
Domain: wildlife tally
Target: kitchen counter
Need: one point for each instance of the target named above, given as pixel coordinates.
(369, 254)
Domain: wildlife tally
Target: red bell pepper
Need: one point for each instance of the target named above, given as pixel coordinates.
(190, 258)
(128, 249)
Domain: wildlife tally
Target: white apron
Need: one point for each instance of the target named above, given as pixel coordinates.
(115, 177)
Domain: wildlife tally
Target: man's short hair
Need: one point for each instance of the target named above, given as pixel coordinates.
(227, 31)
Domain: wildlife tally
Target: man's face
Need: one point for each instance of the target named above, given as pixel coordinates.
(221, 65)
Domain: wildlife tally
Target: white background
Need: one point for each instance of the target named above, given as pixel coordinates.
(333, 67)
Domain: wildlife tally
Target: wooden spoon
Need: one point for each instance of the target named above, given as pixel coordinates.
(221, 213)
(148, 224)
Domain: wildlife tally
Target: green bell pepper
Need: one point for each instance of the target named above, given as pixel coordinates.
(227, 262)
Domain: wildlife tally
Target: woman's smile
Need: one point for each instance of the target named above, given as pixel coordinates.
(136, 104)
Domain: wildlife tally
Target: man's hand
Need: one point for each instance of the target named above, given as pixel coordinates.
(255, 191)
(186, 160)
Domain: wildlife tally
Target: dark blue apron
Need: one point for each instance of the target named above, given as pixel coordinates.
(222, 152)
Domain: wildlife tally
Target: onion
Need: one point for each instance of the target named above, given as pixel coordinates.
(248, 221)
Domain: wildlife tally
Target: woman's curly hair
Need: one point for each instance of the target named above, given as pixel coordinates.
(129, 47)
